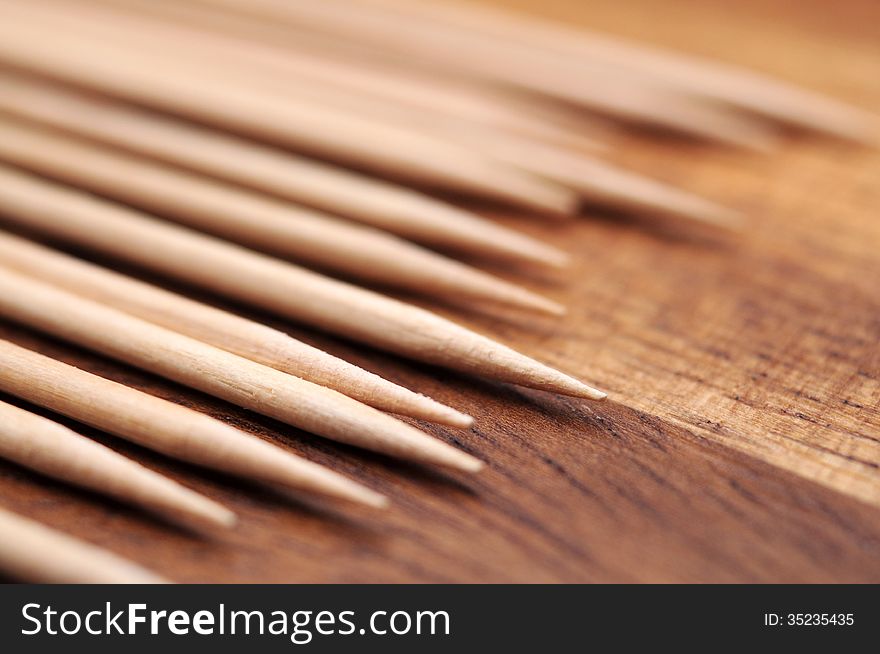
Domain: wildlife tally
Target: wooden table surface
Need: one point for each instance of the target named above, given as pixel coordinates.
(742, 440)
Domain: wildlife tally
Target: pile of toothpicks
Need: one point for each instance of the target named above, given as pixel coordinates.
(242, 146)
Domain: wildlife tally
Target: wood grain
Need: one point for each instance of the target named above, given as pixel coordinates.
(742, 442)
(768, 344)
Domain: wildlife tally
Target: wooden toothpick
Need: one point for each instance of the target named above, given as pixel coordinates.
(463, 52)
(40, 444)
(595, 180)
(271, 46)
(217, 372)
(258, 221)
(603, 183)
(269, 283)
(163, 426)
(32, 552)
(293, 122)
(435, 46)
(741, 88)
(394, 208)
(223, 329)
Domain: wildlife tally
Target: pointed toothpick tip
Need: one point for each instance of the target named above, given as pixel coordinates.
(227, 519)
(556, 258)
(373, 499)
(306, 477)
(454, 418)
(730, 219)
(446, 455)
(206, 517)
(203, 515)
(343, 488)
(415, 405)
(206, 524)
(497, 290)
(330, 486)
(548, 307)
(578, 389)
(715, 215)
(471, 464)
(566, 385)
